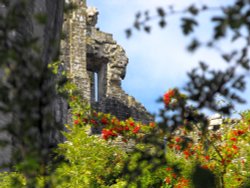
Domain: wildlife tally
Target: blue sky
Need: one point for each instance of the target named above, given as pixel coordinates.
(157, 61)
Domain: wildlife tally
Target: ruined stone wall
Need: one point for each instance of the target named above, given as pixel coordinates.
(97, 65)
(103, 51)
(73, 48)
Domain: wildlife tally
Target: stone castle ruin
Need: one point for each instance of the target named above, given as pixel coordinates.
(92, 59)
(97, 65)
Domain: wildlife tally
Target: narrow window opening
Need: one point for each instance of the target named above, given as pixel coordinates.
(96, 84)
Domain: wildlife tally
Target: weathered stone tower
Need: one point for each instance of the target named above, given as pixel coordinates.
(97, 64)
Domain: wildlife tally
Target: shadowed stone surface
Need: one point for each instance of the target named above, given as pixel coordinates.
(48, 36)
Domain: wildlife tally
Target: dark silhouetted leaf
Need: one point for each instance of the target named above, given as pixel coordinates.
(128, 33)
(161, 12)
(162, 23)
(226, 57)
(188, 25)
(137, 25)
(138, 15)
(146, 14)
(193, 10)
(193, 45)
(147, 29)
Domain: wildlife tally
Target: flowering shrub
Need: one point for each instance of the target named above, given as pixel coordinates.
(224, 152)
(218, 158)
(111, 126)
(196, 157)
(89, 161)
(168, 96)
(127, 129)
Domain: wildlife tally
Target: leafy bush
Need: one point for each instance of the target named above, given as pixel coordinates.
(197, 157)
(11, 180)
(225, 152)
(89, 161)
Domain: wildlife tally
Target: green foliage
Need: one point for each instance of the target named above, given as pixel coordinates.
(141, 168)
(194, 153)
(190, 159)
(13, 179)
(89, 161)
(218, 156)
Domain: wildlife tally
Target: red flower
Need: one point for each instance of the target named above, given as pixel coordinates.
(152, 124)
(204, 166)
(177, 147)
(235, 147)
(168, 96)
(76, 122)
(233, 139)
(174, 175)
(177, 139)
(104, 121)
(92, 121)
(238, 132)
(207, 157)
(168, 180)
(169, 169)
(136, 129)
(126, 128)
(184, 181)
(186, 153)
(106, 134)
(132, 124)
(119, 129)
